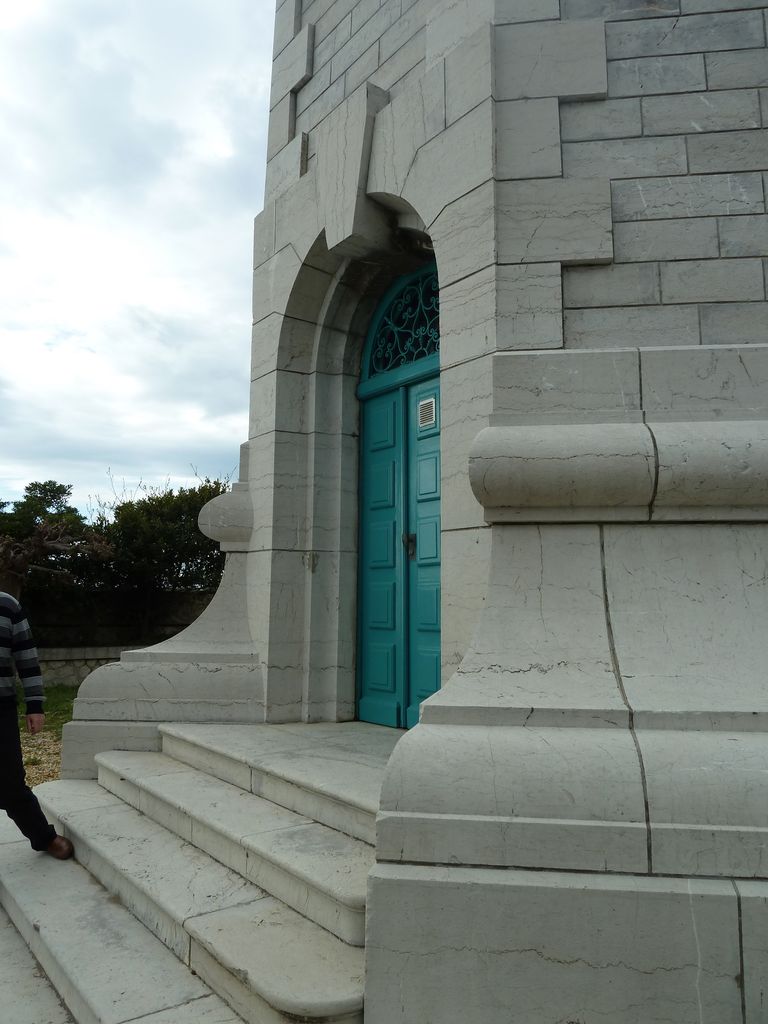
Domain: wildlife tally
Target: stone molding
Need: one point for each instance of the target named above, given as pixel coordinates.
(228, 518)
(590, 816)
(562, 798)
(634, 472)
(564, 472)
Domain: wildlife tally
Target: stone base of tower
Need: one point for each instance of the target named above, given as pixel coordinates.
(538, 947)
(577, 830)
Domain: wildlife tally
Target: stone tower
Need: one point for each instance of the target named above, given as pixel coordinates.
(577, 828)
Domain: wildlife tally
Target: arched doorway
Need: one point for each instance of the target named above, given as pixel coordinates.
(398, 661)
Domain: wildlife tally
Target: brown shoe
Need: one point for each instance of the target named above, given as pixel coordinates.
(61, 848)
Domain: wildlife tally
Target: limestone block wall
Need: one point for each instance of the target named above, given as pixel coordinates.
(326, 49)
(682, 137)
(426, 141)
(348, 42)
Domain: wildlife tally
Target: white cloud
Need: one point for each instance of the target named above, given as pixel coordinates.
(13, 13)
(135, 139)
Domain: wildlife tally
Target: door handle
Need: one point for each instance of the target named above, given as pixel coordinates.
(409, 543)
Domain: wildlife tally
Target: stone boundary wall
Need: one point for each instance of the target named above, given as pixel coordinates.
(69, 666)
(112, 619)
(682, 137)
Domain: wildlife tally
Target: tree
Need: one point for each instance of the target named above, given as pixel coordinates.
(157, 547)
(156, 543)
(43, 532)
(148, 543)
(43, 502)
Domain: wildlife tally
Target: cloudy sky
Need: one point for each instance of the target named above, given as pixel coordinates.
(132, 148)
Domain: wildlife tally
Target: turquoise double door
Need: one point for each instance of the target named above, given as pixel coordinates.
(399, 572)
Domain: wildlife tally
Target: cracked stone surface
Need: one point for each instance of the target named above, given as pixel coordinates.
(555, 946)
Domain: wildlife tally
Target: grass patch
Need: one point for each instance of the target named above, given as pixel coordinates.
(57, 707)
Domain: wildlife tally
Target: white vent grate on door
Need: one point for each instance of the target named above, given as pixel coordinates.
(427, 413)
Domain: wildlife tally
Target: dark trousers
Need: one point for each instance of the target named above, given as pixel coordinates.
(16, 798)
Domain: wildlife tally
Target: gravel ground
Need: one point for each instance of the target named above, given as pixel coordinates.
(42, 757)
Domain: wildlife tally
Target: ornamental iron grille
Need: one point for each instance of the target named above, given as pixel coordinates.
(408, 328)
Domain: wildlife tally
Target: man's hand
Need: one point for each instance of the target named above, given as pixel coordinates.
(35, 723)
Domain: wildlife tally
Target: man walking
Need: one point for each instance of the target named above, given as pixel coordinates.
(18, 655)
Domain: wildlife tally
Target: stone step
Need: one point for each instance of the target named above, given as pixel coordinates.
(105, 965)
(317, 871)
(261, 944)
(163, 880)
(329, 772)
(26, 995)
(189, 901)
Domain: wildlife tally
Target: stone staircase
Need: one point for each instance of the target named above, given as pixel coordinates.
(26, 995)
(220, 880)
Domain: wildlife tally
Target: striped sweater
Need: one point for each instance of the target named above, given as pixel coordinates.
(18, 655)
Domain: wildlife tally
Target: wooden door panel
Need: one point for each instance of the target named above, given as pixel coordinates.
(381, 611)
